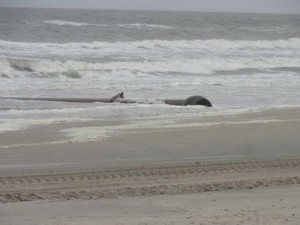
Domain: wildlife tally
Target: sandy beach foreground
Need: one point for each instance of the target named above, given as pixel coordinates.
(226, 169)
(261, 192)
(272, 206)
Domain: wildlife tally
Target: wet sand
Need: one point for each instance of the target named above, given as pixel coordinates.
(272, 134)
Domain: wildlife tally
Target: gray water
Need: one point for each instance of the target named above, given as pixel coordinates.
(238, 61)
(30, 25)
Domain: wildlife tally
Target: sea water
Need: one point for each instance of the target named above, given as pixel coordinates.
(237, 61)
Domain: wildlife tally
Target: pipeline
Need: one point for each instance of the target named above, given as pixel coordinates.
(193, 100)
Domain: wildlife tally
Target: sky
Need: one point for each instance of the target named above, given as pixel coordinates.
(257, 6)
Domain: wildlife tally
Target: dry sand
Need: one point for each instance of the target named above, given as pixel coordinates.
(241, 169)
(271, 206)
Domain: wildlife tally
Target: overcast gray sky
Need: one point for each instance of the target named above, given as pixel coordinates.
(269, 6)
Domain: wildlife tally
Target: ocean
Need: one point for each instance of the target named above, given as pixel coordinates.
(240, 62)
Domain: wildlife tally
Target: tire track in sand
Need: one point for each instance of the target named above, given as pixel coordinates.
(172, 179)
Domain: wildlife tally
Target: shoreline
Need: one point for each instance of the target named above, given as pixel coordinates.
(258, 135)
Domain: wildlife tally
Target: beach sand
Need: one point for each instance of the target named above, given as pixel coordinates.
(272, 206)
(226, 169)
(255, 135)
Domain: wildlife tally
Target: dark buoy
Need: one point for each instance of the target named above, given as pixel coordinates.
(197, 100)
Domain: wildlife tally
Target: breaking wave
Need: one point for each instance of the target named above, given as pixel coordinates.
(145, 25)
(129, 25)
(70, 23)
(153, 48)
(77, 69)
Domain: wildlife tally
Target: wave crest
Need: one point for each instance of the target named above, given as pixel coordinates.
(78, 69)
(127, 25)
(149, 48)
(70, 23)
(145, 25)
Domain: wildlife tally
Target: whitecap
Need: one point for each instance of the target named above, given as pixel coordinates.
(145, 25)
(70, 23)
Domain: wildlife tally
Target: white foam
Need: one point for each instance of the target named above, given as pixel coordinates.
(87, 134)
(23, 124)
(14, 120)
(278, 29)
(205, 65)
(7, 71)
(96, 134)
(187, 117)
(145, 25)
(153, 48)
(137, 116)
(70, 23)
(129, 25)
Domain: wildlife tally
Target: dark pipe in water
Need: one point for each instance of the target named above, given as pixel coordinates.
(193, 100)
